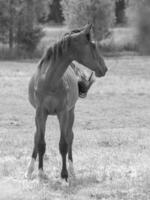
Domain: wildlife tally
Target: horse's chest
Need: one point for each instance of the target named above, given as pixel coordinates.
(66, 95)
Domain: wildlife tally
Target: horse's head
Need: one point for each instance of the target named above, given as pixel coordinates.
(86, 52)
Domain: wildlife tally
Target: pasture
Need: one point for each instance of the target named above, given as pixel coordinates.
(112, 136)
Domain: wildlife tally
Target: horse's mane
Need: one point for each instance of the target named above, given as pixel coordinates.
(59, 47)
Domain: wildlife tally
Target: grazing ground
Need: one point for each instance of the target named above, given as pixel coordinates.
(112, 136)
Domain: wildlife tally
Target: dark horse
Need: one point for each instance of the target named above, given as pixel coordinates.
(53, 90)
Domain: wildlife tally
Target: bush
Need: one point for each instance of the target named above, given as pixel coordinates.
(120, 7)
(28, 39)
(139, 14)
(100, 13)
(132, 12)
(120, 40)
(144, 27)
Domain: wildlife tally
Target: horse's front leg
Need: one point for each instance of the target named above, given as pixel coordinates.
(39, 143)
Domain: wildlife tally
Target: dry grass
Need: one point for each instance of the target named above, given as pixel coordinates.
(111, 147)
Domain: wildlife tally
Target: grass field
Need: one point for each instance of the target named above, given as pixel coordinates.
(112, 136)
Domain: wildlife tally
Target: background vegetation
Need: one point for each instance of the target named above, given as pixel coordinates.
(99, 12)
(144, 26)
(28, 27)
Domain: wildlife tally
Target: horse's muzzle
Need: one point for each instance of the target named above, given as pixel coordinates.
(101, 73)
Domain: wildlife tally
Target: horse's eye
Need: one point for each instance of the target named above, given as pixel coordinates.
(88, 36)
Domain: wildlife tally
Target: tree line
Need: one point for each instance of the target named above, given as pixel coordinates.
(21, 21)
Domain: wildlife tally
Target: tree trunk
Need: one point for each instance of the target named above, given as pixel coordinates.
(30, 14)
(120, 11)
(55, 12)
(11, 24)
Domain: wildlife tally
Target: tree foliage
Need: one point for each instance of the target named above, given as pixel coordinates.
(55, 11)
(28, 32)
(98, 12)
(143, 26)
(120, 6)
(8, 18)
(18, 22)
(41, 9)
(139, 14)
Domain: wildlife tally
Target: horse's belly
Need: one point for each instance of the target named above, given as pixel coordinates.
(54, 104)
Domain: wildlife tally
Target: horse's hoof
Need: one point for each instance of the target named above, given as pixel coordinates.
(71, 174)
(42, 176)
(71, 170)
(64, 175)
(46, 157)
(71, 177)
(72, 181)
(28, 174)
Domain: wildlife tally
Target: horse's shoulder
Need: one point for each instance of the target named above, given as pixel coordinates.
(70, 76)
(70, 80)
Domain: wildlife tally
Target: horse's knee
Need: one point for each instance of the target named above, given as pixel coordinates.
(69, 138)
(41, 147)
(63, 147)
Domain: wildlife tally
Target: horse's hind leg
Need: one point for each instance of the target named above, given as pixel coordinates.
(66, 120)
(39, 142)
(63, 151)
(63, 147)
(33, 159)
(69, 139)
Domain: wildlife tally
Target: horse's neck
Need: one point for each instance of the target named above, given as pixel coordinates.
(56, 70)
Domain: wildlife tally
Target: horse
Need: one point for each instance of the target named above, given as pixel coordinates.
(53, 90)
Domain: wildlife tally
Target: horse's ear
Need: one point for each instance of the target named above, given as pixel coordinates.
(88, 28)
(87, 31)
